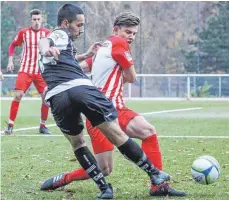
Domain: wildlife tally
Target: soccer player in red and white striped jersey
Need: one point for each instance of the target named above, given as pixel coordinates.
(110, 68)
(29, 70)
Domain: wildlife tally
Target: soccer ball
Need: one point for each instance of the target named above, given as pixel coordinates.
(205, 170)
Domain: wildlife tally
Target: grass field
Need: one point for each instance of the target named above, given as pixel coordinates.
(28, 160)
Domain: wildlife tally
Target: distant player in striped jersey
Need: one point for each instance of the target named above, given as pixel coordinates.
(29, 70)
(111, 67)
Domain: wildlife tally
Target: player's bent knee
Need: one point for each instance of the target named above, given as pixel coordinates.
(18, 96)
(106, 170)
(113, 132)
(76, 141)
(152, 129)
(148, 131)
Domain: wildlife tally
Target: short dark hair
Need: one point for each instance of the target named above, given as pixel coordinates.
(35, 12)
(69, 12)
(127, 19)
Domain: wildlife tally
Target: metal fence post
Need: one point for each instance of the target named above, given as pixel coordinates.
(188, 87)
(169, 86)
(220, 86)
(129, 90)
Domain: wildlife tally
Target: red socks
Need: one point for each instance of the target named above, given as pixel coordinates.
(13, 110)
(76, 175)
(151, 148)
(44, 112)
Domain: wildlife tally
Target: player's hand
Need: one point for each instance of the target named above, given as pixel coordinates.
(10, 66)
(46, 50)
(52, 52)
(93, 49)
(1, 76)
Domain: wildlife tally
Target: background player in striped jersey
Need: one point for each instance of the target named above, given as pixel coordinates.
(111, 68)
(29, 71)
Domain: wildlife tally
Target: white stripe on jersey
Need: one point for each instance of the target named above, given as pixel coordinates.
(111, 84)
(32, 52)
(42, 34)
(119, 99)
(117, 95)
(37, 53)
(26, 63)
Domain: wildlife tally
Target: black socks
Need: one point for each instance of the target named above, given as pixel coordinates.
(89, 163)
(133, 152)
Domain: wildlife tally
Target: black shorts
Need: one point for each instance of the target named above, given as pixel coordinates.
(68, 105)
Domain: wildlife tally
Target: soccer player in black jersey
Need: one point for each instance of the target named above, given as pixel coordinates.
(71, 93)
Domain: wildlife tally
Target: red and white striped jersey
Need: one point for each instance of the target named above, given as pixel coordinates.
(111, 59)
(29, 58)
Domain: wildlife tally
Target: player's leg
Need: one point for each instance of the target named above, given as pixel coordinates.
(101, 113)
(132, 151)
(138, 127)
(22, 84)
(66, 112)
(102, 148)
(41, 88)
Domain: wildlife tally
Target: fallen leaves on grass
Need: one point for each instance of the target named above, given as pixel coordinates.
(68, 196)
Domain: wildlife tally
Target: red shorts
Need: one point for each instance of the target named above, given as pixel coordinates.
(24, 80)
(99, 142)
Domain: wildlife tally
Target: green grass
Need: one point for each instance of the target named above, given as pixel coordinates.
(28, 160)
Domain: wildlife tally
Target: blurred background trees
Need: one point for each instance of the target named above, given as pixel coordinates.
(210, 51)
(174, 37)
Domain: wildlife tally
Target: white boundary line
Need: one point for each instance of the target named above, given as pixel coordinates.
(169, 111)
(30, 128)
(141, 99)
(160, 136)
(147, 113)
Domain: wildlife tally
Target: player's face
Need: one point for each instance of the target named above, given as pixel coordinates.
(36, 21)
(128, 33)
(76, 27)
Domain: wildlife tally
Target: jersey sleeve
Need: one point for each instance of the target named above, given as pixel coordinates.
(47, 32)
(122, 55)
(59, 39)
(18, 40)
(89, 62)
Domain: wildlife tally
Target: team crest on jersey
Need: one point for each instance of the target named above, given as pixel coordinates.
(128, 55)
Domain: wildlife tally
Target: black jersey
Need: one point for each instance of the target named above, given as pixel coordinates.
(64, 73)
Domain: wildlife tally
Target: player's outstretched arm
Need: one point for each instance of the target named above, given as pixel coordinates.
(90, 52)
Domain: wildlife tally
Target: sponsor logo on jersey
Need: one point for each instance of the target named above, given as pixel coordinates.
(128, 56)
